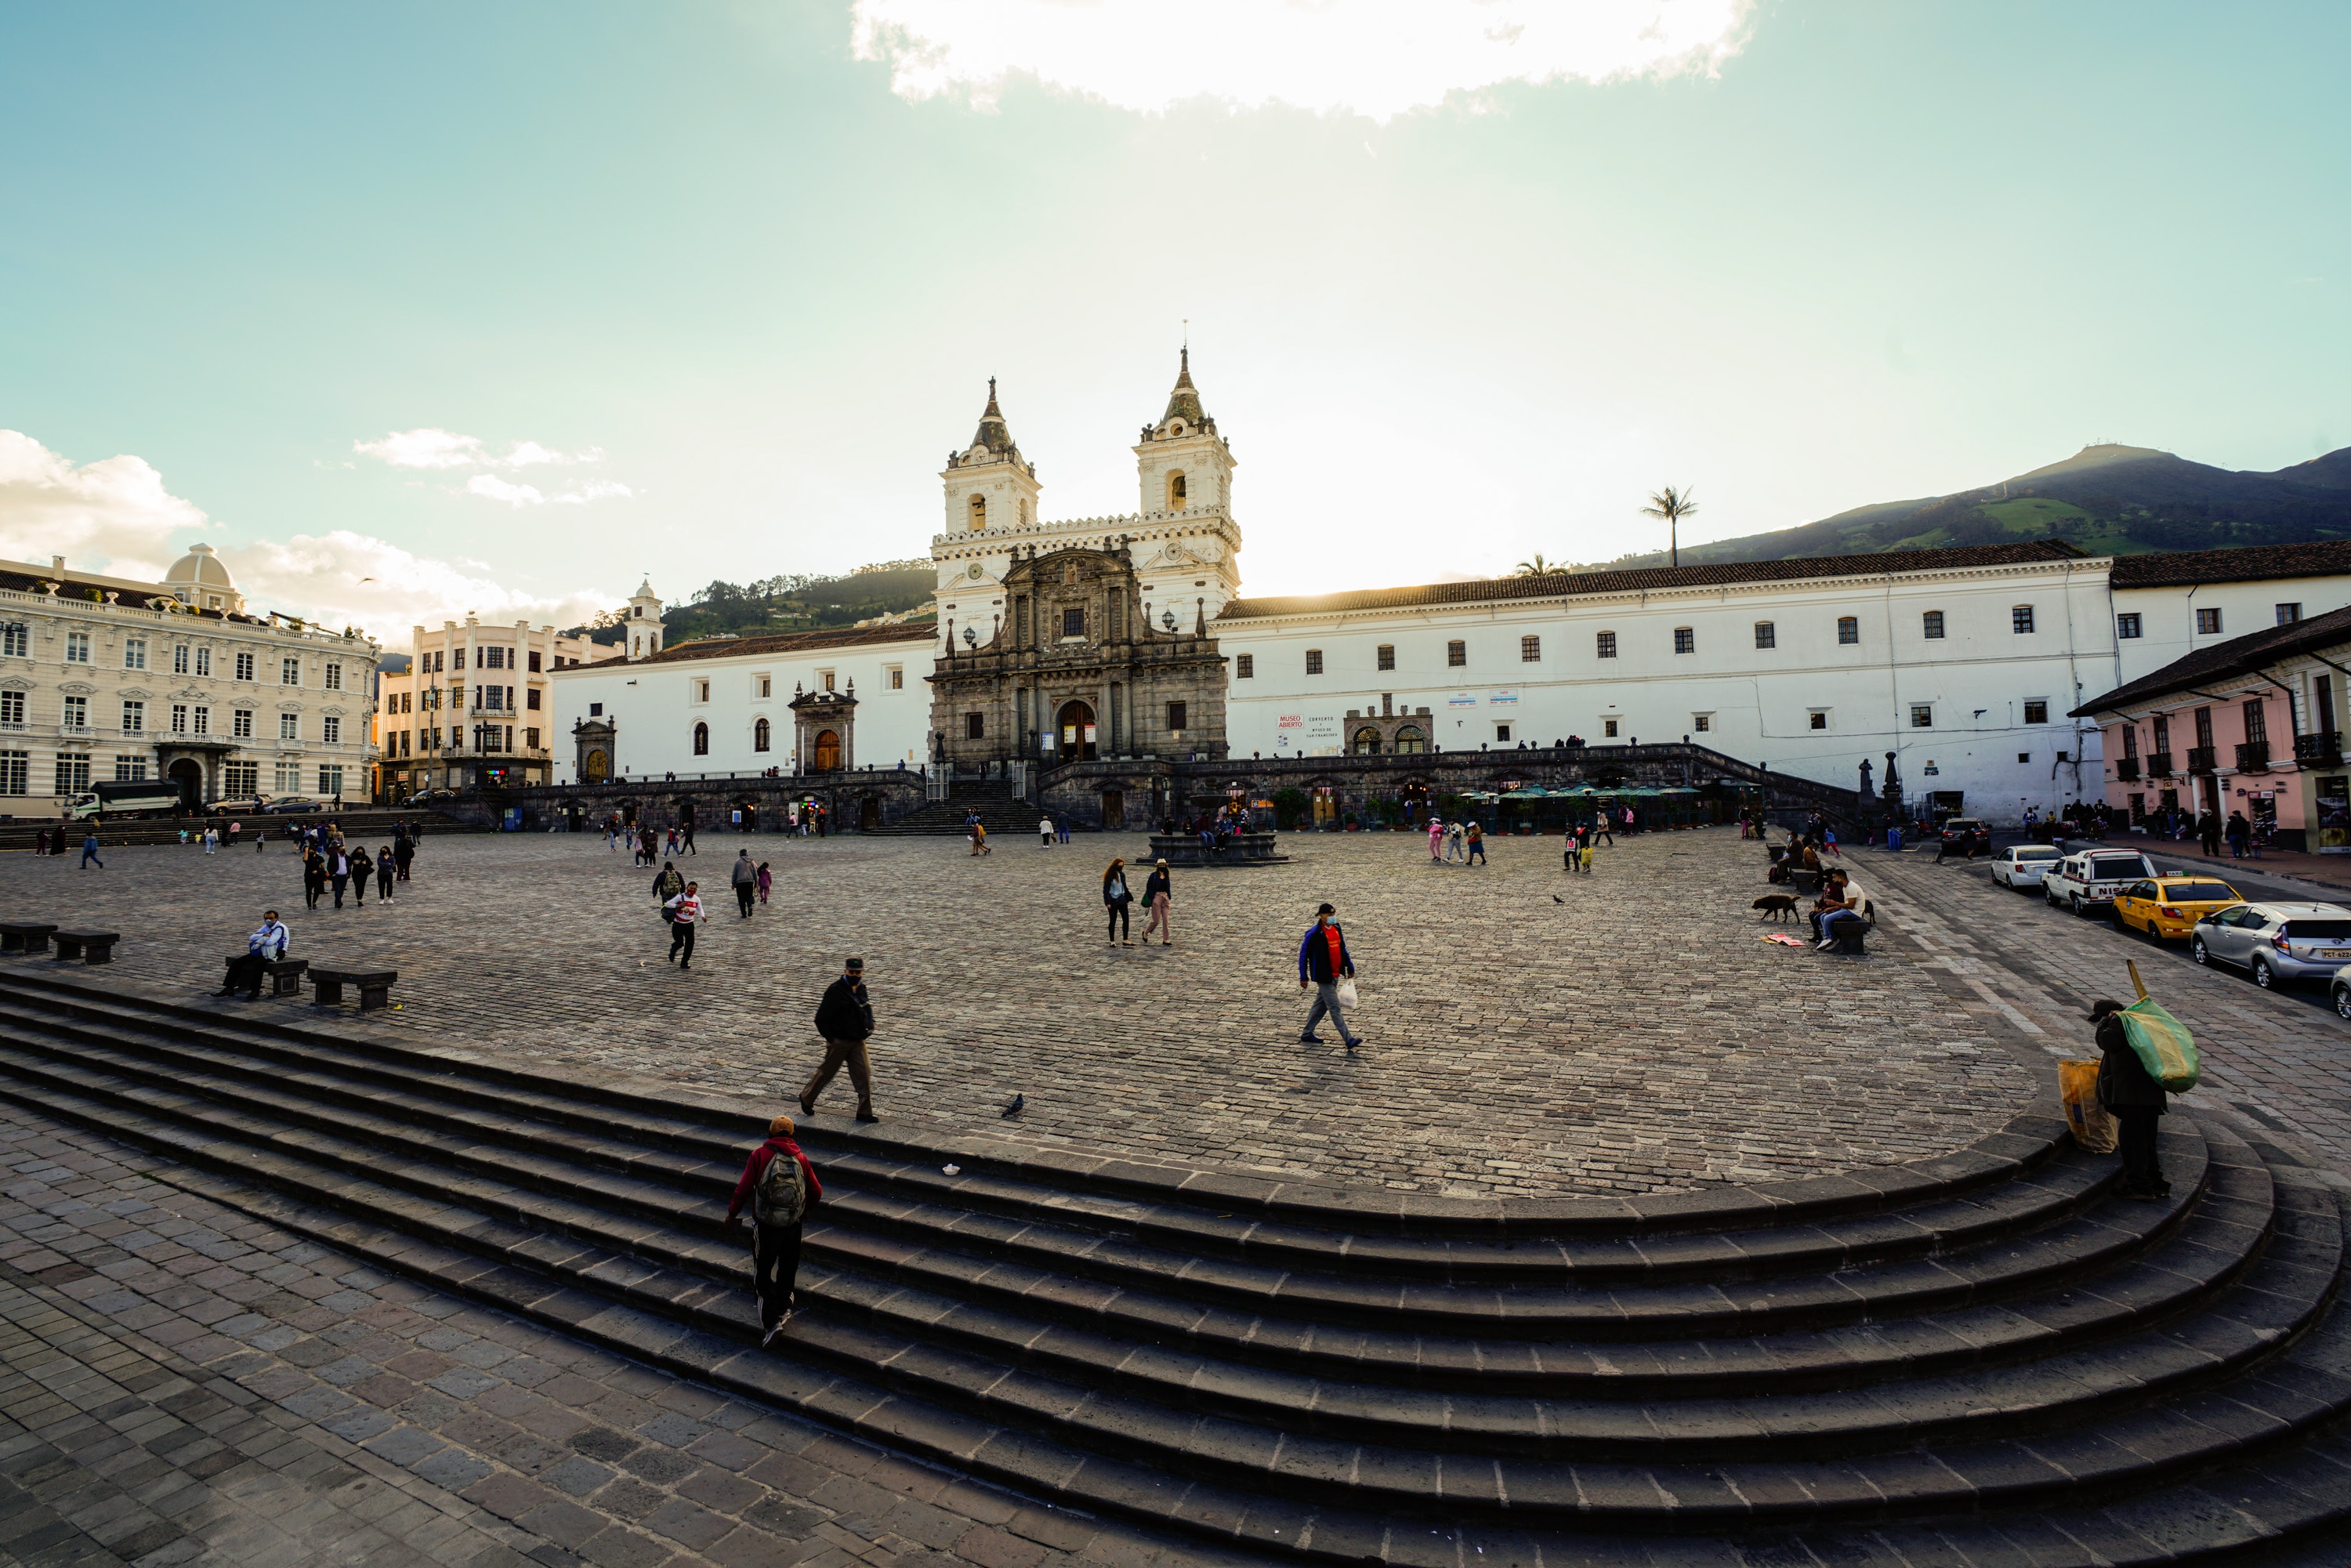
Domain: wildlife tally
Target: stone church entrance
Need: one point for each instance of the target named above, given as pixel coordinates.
(827, 752)
(1077, 722)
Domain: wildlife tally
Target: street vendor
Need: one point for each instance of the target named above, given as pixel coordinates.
(2133, 1097)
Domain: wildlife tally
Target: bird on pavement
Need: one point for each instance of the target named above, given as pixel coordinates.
(1012, 1106)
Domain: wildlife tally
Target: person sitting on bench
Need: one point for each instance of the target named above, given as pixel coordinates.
(1840, 901)
(263, 948)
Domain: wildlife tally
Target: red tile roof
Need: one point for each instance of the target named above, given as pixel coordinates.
(2252, 654)
(2251, 564)
(784, 643)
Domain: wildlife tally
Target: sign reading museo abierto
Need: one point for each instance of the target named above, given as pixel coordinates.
(1306, 735)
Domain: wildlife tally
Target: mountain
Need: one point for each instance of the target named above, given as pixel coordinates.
(2109, 499)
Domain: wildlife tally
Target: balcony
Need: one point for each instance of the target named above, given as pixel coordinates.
(2253, 757)
(2158, 765)
(2127, 769)
(2323, 749)
(2201, 759)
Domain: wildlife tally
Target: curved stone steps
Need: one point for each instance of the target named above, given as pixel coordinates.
(591, 1203)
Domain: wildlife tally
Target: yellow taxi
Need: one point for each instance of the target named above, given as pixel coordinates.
(2170, 905)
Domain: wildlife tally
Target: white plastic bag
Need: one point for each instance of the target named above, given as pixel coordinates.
(1346, 992)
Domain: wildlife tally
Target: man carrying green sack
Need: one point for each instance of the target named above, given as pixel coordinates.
(2133, 1096)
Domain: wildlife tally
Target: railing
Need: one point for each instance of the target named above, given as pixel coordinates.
(2158, 765)
(2201, 759)
(939, 781)
(2127, 769)
(2253, 757)
(2322, 748)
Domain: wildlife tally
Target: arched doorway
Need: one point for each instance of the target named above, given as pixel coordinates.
(1077, 728)
(597, 767)
(1367, 741)
(189, 775)
(827, 752)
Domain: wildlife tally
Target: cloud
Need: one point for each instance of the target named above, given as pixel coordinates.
(423, 449)
(491, 487)
(426, 447)
(1378, 58)
(116, 516)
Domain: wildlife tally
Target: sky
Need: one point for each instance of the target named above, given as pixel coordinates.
(504, 307)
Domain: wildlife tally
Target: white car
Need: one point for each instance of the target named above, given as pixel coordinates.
(2090, 879)
(2023, 865)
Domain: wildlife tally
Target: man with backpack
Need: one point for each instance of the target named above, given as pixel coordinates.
(781, 1187)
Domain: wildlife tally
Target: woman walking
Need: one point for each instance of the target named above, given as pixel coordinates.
(1155, 889)
(362, 873)
(1435, 839)
(1116, 896)
(384, 868)
(314, 877)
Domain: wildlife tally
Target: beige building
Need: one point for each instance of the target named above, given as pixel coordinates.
(108, 678)
(473, 709)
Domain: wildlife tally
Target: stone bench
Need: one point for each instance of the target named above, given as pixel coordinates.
(285, 973)
(374, 987)
(24, 936)
(90, 946)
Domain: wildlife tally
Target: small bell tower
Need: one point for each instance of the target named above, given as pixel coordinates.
(1182, 462)
(643, 622)
(989, 486)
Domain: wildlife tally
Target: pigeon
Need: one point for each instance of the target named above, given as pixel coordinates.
(1012, 1106)
(1557, 899)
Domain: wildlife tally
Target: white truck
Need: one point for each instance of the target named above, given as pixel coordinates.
(2089, 879)
(132, 798)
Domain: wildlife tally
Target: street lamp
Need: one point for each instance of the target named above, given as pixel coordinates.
(1167, 619)
(970, 638)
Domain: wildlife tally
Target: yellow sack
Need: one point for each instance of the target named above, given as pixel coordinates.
(2094, 1130)
(2163, 1044)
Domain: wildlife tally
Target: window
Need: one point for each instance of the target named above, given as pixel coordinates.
(203, 720)
(1176, 714)
(330, 730)
(1685, 640)
(15, 641)
(701, 740)
(240, 778)
(434, 663)
(2020, 618)
(2127, 625)
(1701, 722)
(1073, 621)
(897, 678)
(978, 513)
(73, 774)
(1922, 716)
(701, 691)
(2036, 710)
(974, 727)
(2204, 730)
(1529, 650)
(204, 661)
(2257, 723)
(1608, 729)
(334, 678)
(531, 698)
(77, 649)
(1456, 656)
(1819, 718)
(2208, 621)
(134, 716)
(2024, 757)
(330, 779)
(241, 723)
(494, 698)
(1607, 644)
(1245, 666)
(530, 736)
(1932, 624)
(1766, 634)
(2163, 732)
(180, 658)
(765, 685)
(2130, 740)
(1502, 734)
(134, 652)
(1387, 655)
(495, 658)
(12, 709)
(1848, 629)
(244, 666)
(1313, 661)
(290, 672)
(595, 710)
(76, 713)
(2287, 614)
(15, 772)
(287, 778)
(761, 735)
(290, 726)
(534, 663)
(130, 769)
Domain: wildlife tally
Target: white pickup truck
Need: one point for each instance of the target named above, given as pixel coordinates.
(2090, 879)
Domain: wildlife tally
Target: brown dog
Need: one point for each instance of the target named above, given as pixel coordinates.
(1776, 906)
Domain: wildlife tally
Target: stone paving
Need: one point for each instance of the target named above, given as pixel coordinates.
(180, 1383)
(1528, 1032)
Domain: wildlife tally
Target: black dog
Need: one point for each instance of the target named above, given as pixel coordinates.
(1777, 905)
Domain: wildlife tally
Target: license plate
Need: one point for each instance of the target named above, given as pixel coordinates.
(2334, 953)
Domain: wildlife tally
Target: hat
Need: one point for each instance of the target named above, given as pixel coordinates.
(853, 964)
(2104, 1007)
(1161, 864)
(781, 1127)
(1326, 909)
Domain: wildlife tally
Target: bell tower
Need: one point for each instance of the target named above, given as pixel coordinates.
(1183, 464)
(989, 486)
(643, 622)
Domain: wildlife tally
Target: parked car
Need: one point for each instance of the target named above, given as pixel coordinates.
(2276, 942)
(2170, 906)
(2023, 865)
(428, 798)
(1963, 836)
(2090, 879)
(252, 805)
(295, 804)
(2342, 990)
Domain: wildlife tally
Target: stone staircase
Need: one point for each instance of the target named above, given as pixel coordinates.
(1982, 1358)
(1004, 816)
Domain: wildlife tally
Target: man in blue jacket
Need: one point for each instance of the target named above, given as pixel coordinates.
(1322, 958)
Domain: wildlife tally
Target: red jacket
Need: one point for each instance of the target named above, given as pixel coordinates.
(756, 1166)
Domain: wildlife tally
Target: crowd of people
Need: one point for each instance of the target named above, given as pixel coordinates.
(330, 862)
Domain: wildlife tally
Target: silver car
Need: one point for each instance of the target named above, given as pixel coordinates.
(2276, 942)
(2023, 865)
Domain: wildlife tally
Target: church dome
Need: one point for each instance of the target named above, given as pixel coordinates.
(1184, 402)
(993, 436)
(200, 567)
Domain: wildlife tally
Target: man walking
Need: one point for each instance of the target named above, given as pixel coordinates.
(744, 879)
(669, 883)
(90, 852)
(266, 945)
(1322, 960)
(845, 1019)
(403, 850)
(782, 1188)
(685, 913)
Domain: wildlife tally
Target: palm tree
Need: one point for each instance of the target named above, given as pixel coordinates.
(1534, 566)
(1673, 506)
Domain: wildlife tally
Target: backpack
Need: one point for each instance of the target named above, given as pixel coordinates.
(781, 1196)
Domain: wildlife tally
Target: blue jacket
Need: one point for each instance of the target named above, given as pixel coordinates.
(270, 942)
(1314, 956)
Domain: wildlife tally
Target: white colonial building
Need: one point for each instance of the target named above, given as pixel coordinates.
(474, 704)
(111, 679)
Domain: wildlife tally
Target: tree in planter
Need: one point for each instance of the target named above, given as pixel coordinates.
(1289, 807)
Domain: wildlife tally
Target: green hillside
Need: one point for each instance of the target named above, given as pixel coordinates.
(786, 604)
